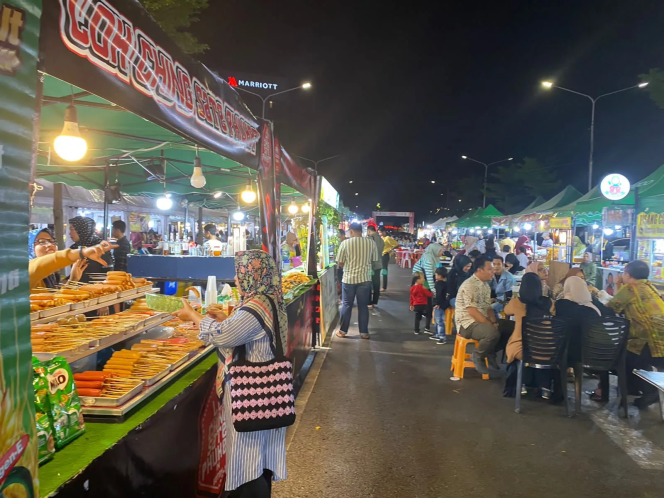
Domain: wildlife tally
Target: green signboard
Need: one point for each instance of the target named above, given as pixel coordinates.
(19, 36)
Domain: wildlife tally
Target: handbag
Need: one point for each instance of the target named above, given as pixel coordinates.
(262, 394)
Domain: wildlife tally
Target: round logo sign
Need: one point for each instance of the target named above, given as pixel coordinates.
(614, 187)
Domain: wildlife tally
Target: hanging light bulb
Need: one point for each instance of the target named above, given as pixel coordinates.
(69, 145)
(164, 203)
(248, 195)
(292, 208)
(238, 215)
(306, 208)
(197, 178)
(217, 194)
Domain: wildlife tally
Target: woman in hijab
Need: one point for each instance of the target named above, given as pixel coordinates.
(578, 247)
(82, 232)
(253, 459)
(46, 261)
(523, 241)
(512, 264)
(530, 303)
(558, 289)
(427, 265)
(576, 305)
(539, 269)
(458, 274)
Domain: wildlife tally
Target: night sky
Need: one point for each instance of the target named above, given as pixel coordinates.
(402, 92)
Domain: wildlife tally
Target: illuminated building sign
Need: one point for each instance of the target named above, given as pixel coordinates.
(234, 81)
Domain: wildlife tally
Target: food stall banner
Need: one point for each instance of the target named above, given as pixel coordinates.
(139, 222)
(19, 41)
(115, 50)
(269, 212)
(291, 174)
(650, 226)
(561, 223)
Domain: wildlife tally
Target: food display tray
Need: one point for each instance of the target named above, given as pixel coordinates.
(144, 289)
(118, 412)
(157, 378)
(108, 297)
(55, 311)
(113, 402)
(127, 293)
(35, 315)
(180, 362)
(96, 345)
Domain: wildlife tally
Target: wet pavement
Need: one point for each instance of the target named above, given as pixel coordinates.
(385, 420)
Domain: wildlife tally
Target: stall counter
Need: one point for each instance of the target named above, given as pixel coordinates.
(100, 437)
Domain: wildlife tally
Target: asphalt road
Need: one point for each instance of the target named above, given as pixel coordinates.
(385, 420)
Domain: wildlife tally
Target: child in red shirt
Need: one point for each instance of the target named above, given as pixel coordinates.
(419, 302)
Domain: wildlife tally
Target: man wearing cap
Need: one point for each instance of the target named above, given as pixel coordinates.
(356, 256)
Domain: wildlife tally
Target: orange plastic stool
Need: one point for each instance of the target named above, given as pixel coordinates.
(449, 320)
(461, 358)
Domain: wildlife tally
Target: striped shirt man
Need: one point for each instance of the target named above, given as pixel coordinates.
(357, 255)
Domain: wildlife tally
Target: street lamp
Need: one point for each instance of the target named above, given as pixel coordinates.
(486, 172)
(316, 163)
(550, 84)
(303, 86)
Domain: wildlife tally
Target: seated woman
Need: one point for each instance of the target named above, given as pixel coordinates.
(638, 299)
(45, 261)
(589, 269)
(558, 289)
(576, 305)
(529, 303)
(512, 264)
(539, 269)
(458, 274)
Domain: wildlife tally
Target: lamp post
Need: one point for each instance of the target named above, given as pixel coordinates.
(486, 172)
(316, 163)
(549, 84)
(303, 86)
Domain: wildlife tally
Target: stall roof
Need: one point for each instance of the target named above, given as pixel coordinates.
(529, 208)
(467, 216)
(135, 149)
(566, 196)
(482, 218)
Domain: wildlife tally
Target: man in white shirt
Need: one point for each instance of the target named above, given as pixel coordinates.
(211, 240)
(523, 259)
(356, 256)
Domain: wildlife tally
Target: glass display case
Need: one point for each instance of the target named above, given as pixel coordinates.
(652, 252)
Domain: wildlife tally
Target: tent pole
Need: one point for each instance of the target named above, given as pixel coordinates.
(199, 233)
(104, 232)
(58, 217)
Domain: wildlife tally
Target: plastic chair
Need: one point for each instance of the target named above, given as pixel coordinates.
(407, 261)
(461, 358)
(604, 348)
(544, 342)
(449, 320)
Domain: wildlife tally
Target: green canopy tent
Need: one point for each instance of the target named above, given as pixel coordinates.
(142, 157)
(466, 216)
(566, 196)
(481, 219)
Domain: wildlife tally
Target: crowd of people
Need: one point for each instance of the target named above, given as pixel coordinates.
(480, 288)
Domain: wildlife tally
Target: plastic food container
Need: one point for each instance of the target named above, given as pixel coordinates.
(167, 304)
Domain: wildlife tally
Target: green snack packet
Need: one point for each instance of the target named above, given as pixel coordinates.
(65, 407)
(45, 439)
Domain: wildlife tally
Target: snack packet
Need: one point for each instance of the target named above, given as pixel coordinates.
(65, 407)
(45, 440)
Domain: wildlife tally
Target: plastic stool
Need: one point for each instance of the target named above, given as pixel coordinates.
(461, 358)
(406, 261)
(449, 320)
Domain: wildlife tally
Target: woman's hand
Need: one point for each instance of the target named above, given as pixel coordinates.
(95, 253)
(77, 270)
(188, 314)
